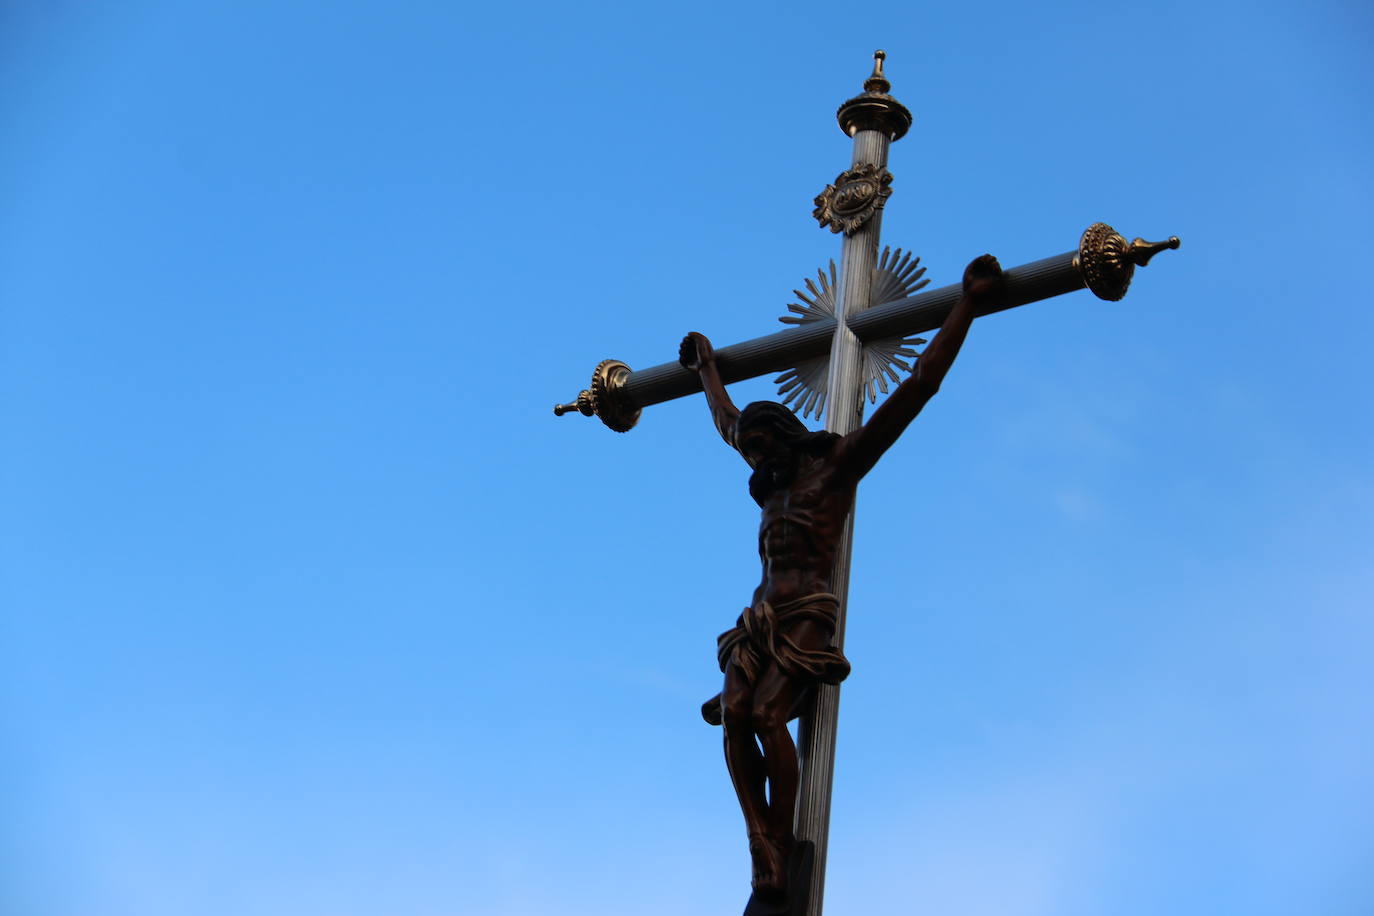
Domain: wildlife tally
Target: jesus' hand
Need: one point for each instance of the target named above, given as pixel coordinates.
(695, 352)
(984, 280)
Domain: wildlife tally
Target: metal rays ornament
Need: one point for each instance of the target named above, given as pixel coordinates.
(804, 388)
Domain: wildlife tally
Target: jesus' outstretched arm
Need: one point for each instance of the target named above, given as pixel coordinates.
(697, 354)
(984, 286)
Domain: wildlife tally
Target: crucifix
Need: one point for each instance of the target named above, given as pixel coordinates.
(854, 331)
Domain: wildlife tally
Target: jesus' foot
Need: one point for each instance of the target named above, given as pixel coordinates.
(770, 865)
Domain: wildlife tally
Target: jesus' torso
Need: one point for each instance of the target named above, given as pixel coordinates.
(800, 531)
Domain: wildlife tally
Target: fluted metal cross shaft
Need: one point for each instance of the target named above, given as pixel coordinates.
(844, 414)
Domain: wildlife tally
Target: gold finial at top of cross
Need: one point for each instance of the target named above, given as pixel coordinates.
(874, 109)
(877, 82)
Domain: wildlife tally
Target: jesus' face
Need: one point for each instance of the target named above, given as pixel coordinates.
(774, 463)
(761, 447)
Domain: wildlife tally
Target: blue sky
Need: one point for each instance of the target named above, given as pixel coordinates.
(311, 606)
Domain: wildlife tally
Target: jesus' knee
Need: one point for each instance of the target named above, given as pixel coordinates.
(768, 719)
(736, 711)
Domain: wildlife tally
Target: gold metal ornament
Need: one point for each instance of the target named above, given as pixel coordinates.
(852, 200)
(604, 399)
(582, 405)
(874, 109)
(1107, 262)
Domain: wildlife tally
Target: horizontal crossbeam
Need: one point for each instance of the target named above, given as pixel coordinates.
(618, 393)
(903, 317)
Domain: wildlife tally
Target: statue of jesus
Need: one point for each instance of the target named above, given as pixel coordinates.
(781, 646)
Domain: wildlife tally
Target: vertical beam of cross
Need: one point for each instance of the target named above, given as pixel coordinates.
(874, 122)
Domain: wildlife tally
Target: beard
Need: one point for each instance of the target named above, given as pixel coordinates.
(770, 477)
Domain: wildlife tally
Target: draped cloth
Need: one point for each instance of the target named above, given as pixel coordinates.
(760, 636)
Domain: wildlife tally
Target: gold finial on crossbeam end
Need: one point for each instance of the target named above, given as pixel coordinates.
(877, 82)
(1107, 262)
(1142, 251)
(582, 405)
(604, 399)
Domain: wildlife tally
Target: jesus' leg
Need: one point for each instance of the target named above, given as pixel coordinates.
(775, 697)
(742, 755)
(748, 772)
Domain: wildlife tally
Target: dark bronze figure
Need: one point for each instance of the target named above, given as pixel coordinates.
(781, 646)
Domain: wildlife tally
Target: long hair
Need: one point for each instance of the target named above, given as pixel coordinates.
(790, 431)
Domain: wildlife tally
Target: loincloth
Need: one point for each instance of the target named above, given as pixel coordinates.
(760, 637)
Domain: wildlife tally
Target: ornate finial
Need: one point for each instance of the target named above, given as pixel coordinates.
(874, 109)
(604, 398)
(1107, 261)
(582, 405)
(1142, 251)
(877, 82)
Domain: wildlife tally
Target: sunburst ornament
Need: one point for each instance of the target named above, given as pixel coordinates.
(804, 388)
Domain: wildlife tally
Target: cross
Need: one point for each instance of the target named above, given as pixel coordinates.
(853, 331)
